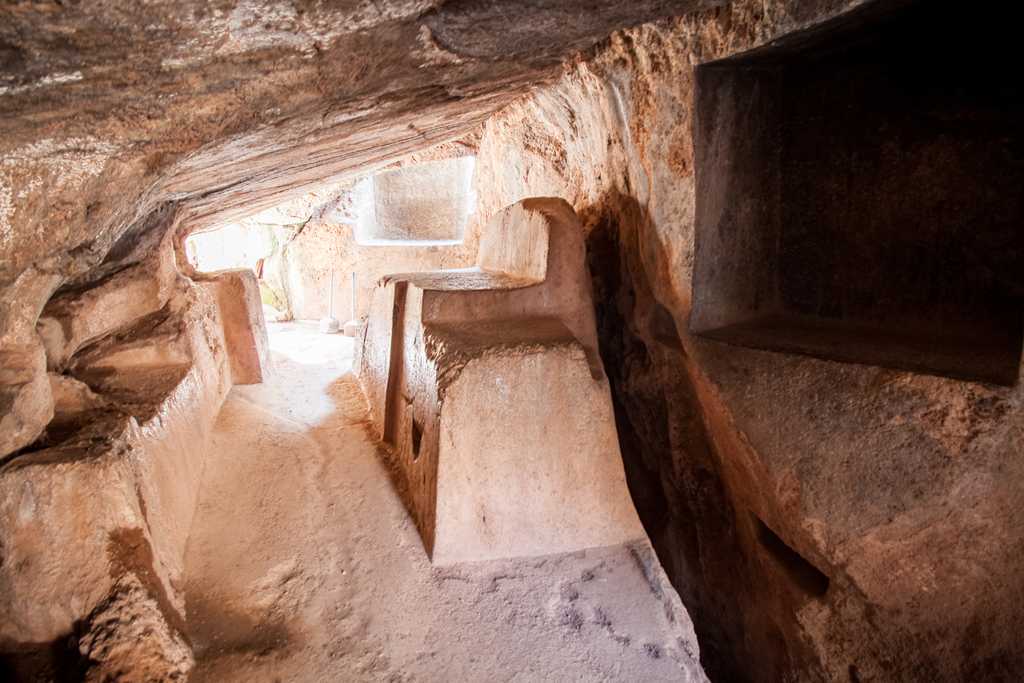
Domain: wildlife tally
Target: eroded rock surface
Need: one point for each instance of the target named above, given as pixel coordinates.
(121, 125)
(225, 111)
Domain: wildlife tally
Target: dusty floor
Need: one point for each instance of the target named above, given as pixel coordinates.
(303, 565)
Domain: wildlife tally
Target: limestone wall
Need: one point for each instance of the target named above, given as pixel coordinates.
(822, 521)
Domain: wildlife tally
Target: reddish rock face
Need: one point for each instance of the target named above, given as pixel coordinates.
(123, 125)
(823, 521)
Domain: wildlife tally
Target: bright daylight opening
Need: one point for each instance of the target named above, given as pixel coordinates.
(319, 257)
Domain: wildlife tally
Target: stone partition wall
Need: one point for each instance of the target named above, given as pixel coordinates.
(821, 521)
(237, 294)
(429, 202)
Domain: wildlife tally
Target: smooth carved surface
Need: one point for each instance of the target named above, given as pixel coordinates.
(459, 280)
(340, 589)
(528, 461)
(513, 253)
(516, 245)
(536, 342)
(245, 330)
(426, 202)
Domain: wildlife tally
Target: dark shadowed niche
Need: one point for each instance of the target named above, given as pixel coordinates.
(859, 193)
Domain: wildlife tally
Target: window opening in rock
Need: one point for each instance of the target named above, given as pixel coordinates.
(334, 244)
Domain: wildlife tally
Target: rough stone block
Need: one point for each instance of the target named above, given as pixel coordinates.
(74, 319)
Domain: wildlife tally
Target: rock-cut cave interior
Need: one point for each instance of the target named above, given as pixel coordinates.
(511, 340)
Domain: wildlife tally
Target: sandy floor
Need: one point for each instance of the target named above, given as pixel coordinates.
(303, 565)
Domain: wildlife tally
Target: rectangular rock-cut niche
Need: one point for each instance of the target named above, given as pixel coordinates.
(422, 205)
(860, 190)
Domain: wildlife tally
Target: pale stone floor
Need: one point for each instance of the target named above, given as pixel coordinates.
(302, 564)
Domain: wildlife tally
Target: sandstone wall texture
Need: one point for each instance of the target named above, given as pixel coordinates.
(821, 521)
(237, 295)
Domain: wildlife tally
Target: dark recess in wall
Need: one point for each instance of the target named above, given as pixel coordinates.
(671, 470)
(58, 661)
(417, 438)
(802, 573)
(859, 193)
